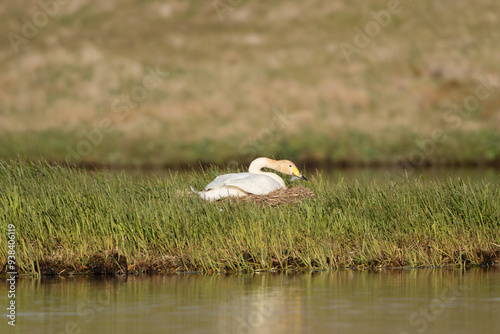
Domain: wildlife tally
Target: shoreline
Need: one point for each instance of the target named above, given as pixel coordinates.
(52, 271)
(68, 220)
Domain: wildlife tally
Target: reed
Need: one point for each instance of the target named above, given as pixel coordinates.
(73, 221)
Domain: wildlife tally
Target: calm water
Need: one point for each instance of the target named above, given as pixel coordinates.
(343, 301)
(378, 174)
(383, 175)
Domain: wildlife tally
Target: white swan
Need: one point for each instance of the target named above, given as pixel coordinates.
(254, 182)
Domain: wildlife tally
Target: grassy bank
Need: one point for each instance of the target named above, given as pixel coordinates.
(266, 79)
(70, 221)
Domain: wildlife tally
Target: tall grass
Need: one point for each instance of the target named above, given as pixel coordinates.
(67, 220)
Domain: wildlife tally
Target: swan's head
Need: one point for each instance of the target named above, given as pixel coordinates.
(289, 168)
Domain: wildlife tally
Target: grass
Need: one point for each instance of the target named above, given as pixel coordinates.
(226, 78)
(72, 221)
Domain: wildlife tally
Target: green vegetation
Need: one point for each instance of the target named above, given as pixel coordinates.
(265, 79)
(72, 221)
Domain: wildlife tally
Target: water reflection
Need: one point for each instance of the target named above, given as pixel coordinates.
(343, 301)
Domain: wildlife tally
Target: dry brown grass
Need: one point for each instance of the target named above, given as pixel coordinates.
(278, 197)
(227, 77)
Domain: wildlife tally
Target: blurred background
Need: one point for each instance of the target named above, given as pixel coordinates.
(327, 83)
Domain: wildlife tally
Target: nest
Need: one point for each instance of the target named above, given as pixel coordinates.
(278, 197)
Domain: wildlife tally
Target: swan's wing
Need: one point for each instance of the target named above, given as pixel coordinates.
(217, 194)
(251, 183)
(256, 184)
(221, 180)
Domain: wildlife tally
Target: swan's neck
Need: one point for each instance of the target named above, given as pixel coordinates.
(259, 163)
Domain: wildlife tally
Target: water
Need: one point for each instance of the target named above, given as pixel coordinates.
(380, 175)
(396, 175)
(341, 301)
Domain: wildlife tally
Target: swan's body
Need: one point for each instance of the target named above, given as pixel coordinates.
(254, 182)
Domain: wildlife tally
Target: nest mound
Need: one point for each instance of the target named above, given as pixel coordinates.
(278, 197)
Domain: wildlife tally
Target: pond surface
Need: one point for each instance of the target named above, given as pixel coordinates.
(340, 301)
(379, 175)
(396, 175)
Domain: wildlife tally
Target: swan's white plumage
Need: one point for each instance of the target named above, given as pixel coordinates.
(254, 181)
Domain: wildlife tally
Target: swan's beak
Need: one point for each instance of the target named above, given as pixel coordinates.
(296, 173)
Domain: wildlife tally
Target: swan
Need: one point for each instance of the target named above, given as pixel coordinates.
(254, 181)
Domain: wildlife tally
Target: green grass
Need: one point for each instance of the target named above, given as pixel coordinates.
(72, 221)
